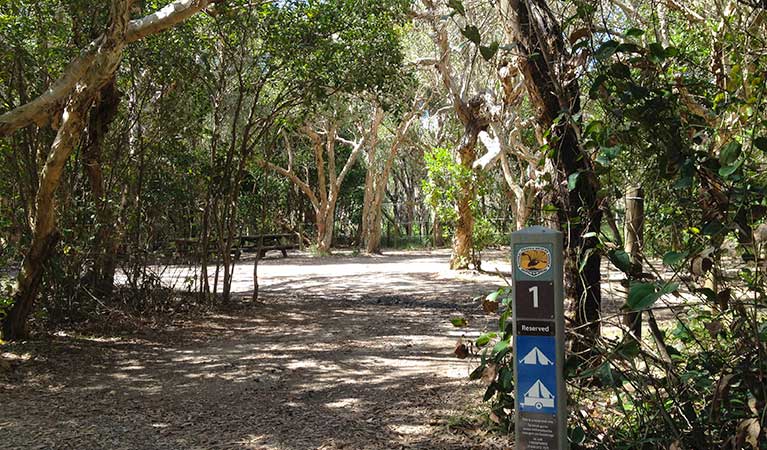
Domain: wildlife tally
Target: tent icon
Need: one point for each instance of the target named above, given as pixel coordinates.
(538, 396)
(536, 357)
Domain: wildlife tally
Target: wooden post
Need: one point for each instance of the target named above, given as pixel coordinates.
(634, 230)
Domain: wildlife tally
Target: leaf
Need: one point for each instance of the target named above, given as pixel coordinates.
(461, 351)
(729, 170)
(608, 154)
(674, 258)
(493, 296)
(457, 5)
(620, 260)
(748, 432)
(572, 181)
(549, 208)
(472, 33)
(729, 153)
(606, 49)
(628, 47)
(633, 32)
(761, 143)
(489, 51)
(485, 339)
(643, 295)
(577, 435)
(488, 375)
(476, 374)
(459, 321)
(489, 306)
(490, 392)
(500, 346)
(712, 228)
(657, 53)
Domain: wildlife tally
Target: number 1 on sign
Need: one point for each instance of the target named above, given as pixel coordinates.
(534, 291)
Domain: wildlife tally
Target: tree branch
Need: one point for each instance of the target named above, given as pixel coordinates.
(293, 178)
(40, 110)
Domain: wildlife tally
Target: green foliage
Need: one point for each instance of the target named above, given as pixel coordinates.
(496, 366)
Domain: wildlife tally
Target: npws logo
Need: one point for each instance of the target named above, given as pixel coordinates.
(534, 261)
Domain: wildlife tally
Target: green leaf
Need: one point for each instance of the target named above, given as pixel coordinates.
(606, 49)
(608, 154)
(472, 33)
(493, 296)
(633, 32)
(577, 435)
(490, 392)
(490, 51)
(729, 153)
(549, 208)
(572, 181)
(502, 320)
(506, 377)
(628, 47)
(459, 321)
(761, 143)
(500, 346)
(712, 228)
(726, 171)
(674, 258)
(643, 295)
(657, 53)
(620, 259)
(485, 339)
(476, 374)
(457, 5)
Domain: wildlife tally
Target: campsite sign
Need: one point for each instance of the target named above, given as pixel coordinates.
(538, 339)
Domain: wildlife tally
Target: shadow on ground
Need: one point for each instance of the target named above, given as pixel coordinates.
(346, 354)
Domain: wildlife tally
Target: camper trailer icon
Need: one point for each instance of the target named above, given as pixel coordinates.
(538, 396)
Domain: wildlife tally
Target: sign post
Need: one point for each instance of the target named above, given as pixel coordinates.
(539, 356)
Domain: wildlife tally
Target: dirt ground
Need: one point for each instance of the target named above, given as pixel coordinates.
(346, 352)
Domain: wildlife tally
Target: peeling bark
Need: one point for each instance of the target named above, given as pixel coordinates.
(545, 63)
(76, 89)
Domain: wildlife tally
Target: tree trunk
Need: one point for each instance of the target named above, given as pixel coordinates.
(463, 242)
(76, 88)
(633, 246)
(557, 101)
(44, 234)
(325, 222)
(105, 245)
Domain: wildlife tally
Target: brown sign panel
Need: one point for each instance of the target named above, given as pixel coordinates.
(534, 299)
(535, 328)
(537, 432)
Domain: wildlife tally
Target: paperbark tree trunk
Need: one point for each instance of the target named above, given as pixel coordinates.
(376, 180)
(44, 233)
(544, 64)
(76, 89)
(463, 241)
(475, 115)
(328, 182)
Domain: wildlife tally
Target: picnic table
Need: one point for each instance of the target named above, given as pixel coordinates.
(251, 243)
(265, 242)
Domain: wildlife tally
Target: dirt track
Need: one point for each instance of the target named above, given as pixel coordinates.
(345, 353)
